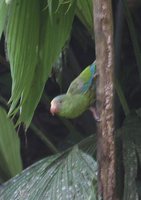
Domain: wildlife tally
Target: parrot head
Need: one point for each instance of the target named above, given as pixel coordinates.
(56, 104)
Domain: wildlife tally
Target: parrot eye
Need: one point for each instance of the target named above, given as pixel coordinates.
(61, 101)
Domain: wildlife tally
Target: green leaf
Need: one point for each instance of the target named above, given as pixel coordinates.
(130, 166)
(69, 175)
(22, 38)
(131, 137)
(84, 12)
(54, 32)
(8, 1)
(10, 160)
(3, 15)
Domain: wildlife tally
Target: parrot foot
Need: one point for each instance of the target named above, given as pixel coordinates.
(95, 113)
(96, 75)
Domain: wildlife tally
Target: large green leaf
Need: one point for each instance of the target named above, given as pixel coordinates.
(8, 1)
(131, 137)
(69, 175)
(85, 13)
(54, 32)
(3, 14)
(22, 38)
(10, 160)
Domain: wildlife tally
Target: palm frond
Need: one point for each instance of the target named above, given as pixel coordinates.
(84, 12)
(69, 175)
(10, 159)
(22, 35)
(131, 154)
(8, 1)
(54, 32)
(3, 14)
(34, 40)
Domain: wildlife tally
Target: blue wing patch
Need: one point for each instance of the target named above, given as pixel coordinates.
(87, 85)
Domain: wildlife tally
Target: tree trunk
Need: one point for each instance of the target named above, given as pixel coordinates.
(103, 29)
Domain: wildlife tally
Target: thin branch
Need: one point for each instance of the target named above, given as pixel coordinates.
(42, 136)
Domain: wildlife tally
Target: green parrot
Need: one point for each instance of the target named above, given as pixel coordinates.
(80, 95)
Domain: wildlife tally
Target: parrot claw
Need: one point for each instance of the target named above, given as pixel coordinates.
(96, 75)
(95, 114)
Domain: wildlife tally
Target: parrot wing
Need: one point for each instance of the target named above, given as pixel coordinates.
(84, 81)
(75, 87)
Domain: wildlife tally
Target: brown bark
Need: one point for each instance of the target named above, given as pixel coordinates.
(103, 29)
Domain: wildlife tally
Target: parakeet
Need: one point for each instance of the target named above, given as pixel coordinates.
(80, 95)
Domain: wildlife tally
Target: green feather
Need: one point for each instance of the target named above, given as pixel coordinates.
(72, 106)
(78, 83)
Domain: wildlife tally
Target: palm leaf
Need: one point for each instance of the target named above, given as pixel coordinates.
(22, 36)
(8, 1)
(84, 12)
(131, 137)
(3, 14)
(26, 58)
(10, 160)
(69, 175)
(54, 32)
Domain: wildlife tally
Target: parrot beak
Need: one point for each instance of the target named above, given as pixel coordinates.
(53, 109)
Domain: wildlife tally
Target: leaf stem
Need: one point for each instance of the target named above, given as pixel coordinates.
(40, 134)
